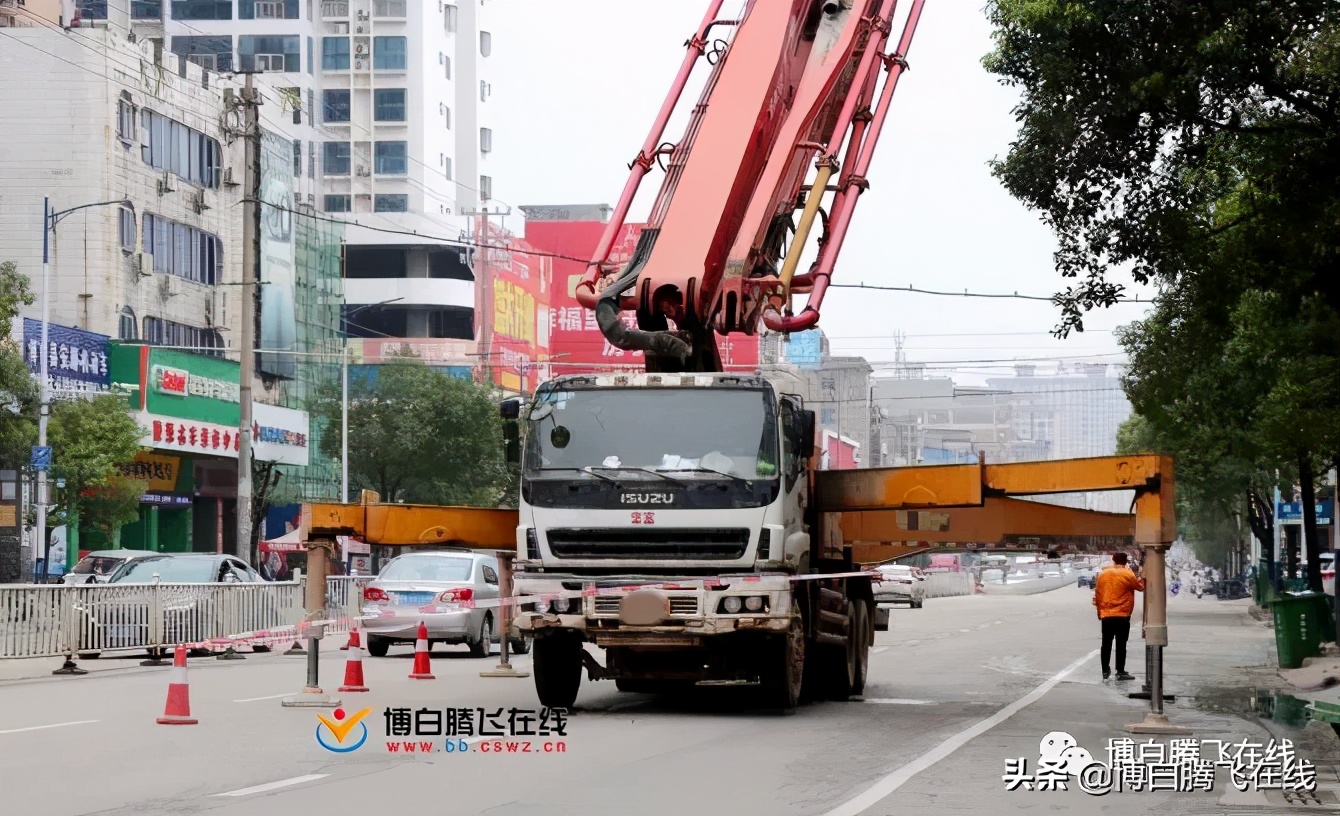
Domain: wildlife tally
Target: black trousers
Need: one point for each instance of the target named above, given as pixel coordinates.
(1115, 629)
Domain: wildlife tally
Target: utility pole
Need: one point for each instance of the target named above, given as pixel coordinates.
(250, 263)
(484, 248)
(45, 415)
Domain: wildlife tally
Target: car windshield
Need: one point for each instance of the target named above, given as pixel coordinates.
(97, 565)
(687, 432)
(170, 570)
(427, 568)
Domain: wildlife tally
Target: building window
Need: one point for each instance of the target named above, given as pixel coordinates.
(389, 105)
(389, 53)
(485, 90)
(126, 227)
(449, 18)
(92, 9)
(311, 51)
(311, 160)
(335, 105)
(391, 158)
(447, 65)
(446, 115)
(398, 202)
(338, 203)
(214, 53)
(267, 10)
(447, 171)
(336, 159)
(172, 146)
(160, 332)
(485, 140)
(485, 187)
(297, 158)
(183, 250)
(128, 329)
(269, 53)
(125, 119)
(146, 9)
(334, 53)
(388, 8)
(485, 43)
(202, 10)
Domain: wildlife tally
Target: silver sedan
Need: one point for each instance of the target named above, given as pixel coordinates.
(414, 588)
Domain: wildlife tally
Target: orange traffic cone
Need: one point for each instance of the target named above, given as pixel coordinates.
(353, 667)
(422, 670)
(178, 709)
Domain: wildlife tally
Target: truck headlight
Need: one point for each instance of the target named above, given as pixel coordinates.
(731, 604)
(754, 603)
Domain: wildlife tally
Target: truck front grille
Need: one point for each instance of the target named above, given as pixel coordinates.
(608, 606)
(668, 542)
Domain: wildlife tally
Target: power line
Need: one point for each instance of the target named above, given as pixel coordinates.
(966, 293)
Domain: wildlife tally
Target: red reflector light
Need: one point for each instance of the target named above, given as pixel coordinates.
(458, 594)
(374, 594)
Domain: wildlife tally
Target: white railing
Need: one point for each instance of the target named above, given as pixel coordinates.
(344, 594)
(47, 621)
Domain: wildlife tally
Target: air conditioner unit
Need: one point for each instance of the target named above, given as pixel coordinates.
(165, 184)
(198, 204)
(363, 170)
(144, 264)
(228, 177)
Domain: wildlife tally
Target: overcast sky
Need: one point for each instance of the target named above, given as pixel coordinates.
(577, 83)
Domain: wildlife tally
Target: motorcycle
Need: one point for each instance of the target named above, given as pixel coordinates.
(1176, 587)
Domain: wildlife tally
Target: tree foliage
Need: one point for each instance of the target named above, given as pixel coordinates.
(112, 505)
(18, 390)
(1198, 146)
(417, 435)
(91, 439)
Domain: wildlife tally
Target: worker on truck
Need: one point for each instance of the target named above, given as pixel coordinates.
(1114, 596)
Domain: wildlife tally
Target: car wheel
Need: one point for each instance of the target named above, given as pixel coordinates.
(260, 648)
(918, 604)
(378, 646)
(484, 644)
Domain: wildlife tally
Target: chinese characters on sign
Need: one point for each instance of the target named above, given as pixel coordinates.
(159, 471)
(1181, 765)
(476, 722)
(179, 382)
(76, 359)
(201, 436)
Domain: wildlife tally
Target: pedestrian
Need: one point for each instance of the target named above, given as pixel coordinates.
(1114, 596)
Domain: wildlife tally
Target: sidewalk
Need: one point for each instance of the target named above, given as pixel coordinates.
(1220, 665)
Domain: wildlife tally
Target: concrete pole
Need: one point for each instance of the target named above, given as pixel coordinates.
(506, 612)
(344, 420)
(250, 262)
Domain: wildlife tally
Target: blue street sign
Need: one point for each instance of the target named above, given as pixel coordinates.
(41, 457)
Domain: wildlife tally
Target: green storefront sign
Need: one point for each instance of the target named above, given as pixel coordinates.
(178, 384)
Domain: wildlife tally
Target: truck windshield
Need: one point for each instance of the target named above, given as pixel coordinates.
(686, 432)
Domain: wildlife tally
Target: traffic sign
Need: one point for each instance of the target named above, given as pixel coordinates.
(41, 457)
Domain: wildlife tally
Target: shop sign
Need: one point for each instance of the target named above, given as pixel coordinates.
(76, 359)
(165, 500)
(161, 472)
(280, 434)
(179, 382)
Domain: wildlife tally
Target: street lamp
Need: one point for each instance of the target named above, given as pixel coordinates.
(344, 394)
(49, 221)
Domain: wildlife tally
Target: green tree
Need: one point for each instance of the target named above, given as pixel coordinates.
(417, 435)
(18, 389)
(91, 440)
(110, 506)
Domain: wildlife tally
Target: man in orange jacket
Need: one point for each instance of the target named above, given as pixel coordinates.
(1114, 595)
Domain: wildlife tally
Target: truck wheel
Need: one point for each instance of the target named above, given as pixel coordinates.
(862, 646)
(842, 677)
(784, 668)
(519, 646)
(557, 664)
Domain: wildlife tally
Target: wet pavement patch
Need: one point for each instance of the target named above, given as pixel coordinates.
(1267, 704)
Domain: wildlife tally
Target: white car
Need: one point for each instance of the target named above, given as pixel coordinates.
(1327, 572)
(900, 584)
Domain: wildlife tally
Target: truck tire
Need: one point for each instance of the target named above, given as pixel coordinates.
(784, 668)
(557, 665)
(843, 671)
(864, 636)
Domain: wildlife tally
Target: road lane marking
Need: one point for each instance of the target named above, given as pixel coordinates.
(44, 727)
(267, 697)
(879, 649)
(965, 630)
(898, 701)
(911, 642)
(896, 779)
(269, 786)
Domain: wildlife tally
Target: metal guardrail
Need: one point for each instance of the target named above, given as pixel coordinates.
(344, 594)
(55, 620)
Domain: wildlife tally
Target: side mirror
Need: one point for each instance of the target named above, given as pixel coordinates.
(510, 408)
(807, 434)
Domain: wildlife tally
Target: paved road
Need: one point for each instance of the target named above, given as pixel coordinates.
(90, 745)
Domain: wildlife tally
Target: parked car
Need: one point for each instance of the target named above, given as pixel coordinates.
(121, 620)
(97, 567)
(1086, 580)
(1327, 572)
(409, 583)
(900, 584)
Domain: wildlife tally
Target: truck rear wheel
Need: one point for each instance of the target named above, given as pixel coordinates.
(844, 671)
(784, 668)
(862, 641)
(557, 664)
